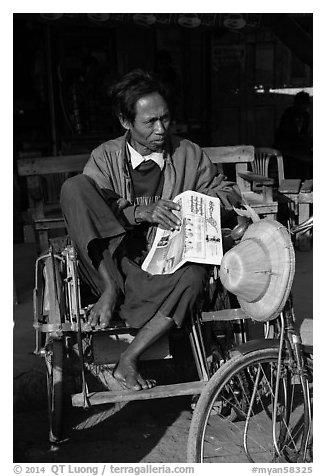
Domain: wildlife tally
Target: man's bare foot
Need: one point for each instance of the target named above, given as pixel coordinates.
(126, 373)
(102, 311)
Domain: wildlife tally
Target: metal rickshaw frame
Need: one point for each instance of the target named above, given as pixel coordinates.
(62, 318)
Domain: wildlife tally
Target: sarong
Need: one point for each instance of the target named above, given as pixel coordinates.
(89, 216)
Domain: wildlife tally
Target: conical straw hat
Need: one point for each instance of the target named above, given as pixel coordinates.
(260, 269)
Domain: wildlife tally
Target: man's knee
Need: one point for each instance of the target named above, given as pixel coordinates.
(76, 192)
(73, 187)
(196, 276)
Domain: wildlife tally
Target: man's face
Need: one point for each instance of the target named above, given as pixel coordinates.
(151, 124)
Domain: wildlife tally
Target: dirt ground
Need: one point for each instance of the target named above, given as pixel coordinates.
(150, 431)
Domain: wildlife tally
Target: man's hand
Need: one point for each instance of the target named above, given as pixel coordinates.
(160, 213)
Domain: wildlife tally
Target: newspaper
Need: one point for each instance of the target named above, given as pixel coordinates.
(198, 240)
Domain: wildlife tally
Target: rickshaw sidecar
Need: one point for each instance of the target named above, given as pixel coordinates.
(77, 355)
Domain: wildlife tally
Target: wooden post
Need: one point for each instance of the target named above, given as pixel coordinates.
(305, 200)
(15, 293)
(51, 90)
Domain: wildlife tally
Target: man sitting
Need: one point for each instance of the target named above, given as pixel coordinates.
(293, 138)
(112, 211)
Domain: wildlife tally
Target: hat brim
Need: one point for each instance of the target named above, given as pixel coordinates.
(277, 240)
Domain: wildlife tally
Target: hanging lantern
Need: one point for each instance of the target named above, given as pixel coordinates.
(144, 19)
(189, 20)
(234, 21)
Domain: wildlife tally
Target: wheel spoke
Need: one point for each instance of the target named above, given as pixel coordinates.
(234, 423)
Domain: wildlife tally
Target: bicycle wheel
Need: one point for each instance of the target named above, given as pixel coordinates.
(224, 334)
(54, 374)
(53, 310)
(214, 437)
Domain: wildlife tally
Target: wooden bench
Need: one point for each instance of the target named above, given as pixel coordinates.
(241, 156)
(44, 207)
(300, 198)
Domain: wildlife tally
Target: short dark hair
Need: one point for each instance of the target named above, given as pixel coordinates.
(131, 87)
(302, 98)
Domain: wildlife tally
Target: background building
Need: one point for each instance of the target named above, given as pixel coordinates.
(232, 75)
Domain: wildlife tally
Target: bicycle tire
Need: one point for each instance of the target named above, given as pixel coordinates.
(54, 373)
(54, 347)
(223, 332)
(214, 437)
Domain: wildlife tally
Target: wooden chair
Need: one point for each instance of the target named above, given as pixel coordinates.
(264, 166)
(297, 196)
(243, 157)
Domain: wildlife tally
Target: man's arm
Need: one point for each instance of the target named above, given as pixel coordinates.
(213, 184)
